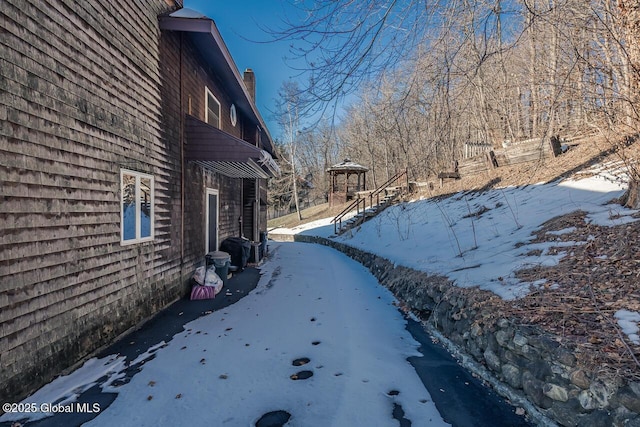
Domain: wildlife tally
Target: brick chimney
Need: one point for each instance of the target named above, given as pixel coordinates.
(250, 83)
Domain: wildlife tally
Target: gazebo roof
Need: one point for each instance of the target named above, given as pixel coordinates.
(347, 166)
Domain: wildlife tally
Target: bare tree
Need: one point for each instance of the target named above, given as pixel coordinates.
(629, 19)
(433, 75)
(280, 187)
(318, 148)
(288, 113)
(345, 43)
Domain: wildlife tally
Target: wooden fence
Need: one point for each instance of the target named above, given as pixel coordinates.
(473, 149)
(487, 159)
(531, 150)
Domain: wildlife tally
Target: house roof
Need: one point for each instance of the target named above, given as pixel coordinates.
(206, 38)
(223, 153)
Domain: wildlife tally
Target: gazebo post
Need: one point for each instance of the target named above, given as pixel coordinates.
(331, 187)
(346, 187)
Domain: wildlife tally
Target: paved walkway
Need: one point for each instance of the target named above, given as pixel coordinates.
(161, 327)
(460, 398)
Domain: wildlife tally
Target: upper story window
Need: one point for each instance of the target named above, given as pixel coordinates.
(233, 115)
(136, 213)
(212, 109)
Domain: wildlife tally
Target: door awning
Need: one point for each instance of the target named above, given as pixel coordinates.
(225, 154)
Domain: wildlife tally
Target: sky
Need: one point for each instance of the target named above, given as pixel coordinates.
(240, 24)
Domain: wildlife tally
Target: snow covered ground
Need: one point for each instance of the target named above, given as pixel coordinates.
(234, 365)
(482, 239)
(628, 322)
(311, 302)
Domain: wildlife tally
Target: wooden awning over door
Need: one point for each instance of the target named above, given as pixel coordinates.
(220, 152)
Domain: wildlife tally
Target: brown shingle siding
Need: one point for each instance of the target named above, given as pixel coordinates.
(88, 89)
(81, 98)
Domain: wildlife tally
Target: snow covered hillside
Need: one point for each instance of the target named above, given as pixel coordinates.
(482, 239)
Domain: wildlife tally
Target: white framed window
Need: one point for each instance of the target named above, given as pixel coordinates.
(136, 207)
(212, 109)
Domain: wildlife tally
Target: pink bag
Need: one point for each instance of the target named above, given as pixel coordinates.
(207, 284)
(202, 292)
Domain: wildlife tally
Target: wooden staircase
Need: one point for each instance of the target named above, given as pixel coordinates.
(378, 200)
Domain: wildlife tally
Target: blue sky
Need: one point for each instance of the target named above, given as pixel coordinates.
(239, 23)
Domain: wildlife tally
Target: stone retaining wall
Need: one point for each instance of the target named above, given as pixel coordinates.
(526, 364)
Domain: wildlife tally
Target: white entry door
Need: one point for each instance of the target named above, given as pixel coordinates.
(211, 216)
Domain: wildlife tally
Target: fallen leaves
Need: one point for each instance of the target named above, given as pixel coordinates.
(581, 294)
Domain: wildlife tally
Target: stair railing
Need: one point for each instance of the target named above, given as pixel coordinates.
(337, 221)
(384, 186)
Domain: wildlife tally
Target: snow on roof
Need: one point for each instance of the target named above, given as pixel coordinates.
(185, 12)
(348, 165)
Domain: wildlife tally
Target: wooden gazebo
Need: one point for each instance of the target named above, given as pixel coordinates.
(340, 187)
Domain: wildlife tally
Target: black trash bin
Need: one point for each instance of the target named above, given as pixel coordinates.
(239, 249)
(221, 261)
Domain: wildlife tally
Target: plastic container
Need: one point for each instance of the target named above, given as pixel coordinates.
(220, 260)
(239, 249)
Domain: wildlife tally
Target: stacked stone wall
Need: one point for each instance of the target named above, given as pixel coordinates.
(525, 363)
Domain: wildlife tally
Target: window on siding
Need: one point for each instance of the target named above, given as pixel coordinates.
(136, 213)
(212, 114)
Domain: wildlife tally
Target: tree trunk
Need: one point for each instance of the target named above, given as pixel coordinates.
(631, 198)
(630, 17)
(630, 12)
(533, 66)
(295, 186)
